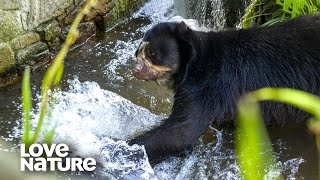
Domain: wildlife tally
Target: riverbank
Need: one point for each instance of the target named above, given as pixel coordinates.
(32, 31)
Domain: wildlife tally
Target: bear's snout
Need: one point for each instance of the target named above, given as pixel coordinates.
(143, 72)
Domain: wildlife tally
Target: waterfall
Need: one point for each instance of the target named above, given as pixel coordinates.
(208, 12)
(215, 14)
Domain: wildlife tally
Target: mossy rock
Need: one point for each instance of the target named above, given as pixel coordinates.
(10, 5)
(101, 9)
(51, 33)
(123, 8)
(7, 61)
(50, 30)
(9, 28)
(29, 54)
(25, 40)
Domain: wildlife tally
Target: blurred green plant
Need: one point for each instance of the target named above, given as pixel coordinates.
(269, 12)
(253, 146)
(50, 81)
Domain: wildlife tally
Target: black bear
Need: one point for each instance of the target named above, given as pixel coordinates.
(209, 71)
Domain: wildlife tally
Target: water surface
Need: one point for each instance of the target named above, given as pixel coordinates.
(102, 105)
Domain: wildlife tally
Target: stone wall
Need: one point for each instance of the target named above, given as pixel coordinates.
(32, 30)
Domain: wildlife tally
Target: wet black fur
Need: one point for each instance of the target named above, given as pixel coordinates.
(216, 68)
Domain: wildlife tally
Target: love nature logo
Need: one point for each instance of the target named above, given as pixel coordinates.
(44, 157)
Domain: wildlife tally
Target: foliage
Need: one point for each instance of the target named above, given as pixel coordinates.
(253, 147)
(252, 144)
(50, 81)
(269, 12)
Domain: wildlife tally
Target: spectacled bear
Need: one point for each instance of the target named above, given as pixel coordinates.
(209, 71)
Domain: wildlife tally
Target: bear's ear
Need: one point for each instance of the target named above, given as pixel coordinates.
(183, 27)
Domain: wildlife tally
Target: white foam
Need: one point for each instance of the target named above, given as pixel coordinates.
(95, 123)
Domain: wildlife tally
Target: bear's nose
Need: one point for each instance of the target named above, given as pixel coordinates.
(137, 67)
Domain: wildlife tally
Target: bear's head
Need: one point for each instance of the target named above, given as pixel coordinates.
(162, 53)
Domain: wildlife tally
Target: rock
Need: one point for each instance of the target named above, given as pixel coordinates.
(70, 13)
(70, 17)
(9, 79)
(50, 30)
(25, 40)
(102, 8)
(10, 5)
(9, 27)
(119, 9)
(29, 28)
(105, 21)
(42, 57)
(86, 29)
(70, 8)
(62, 8)
(77, 2)
(54, 44)
(51, 33)
(123, 8)
(61, 19)
(7, 61)
(39, 12)
(29, 54)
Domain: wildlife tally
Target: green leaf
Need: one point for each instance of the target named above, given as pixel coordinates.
(259, 11)
(273, 21)
(303, 100)
(59, 74)
(26, 105)
(253, 148)
(48, 137)
(55, 71)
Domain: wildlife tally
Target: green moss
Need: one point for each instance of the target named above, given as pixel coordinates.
(122, 7)
(10, 5)
(50, 30)
(29, 53)
(8, 27)
(7, 61)
(25, 40)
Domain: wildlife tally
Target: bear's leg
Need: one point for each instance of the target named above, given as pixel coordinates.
(178, 134)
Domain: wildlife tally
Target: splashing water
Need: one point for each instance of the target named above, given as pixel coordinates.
(100, 113)
(95, 122)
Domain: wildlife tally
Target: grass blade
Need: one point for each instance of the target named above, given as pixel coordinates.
(54, 73)
(253, 147)
(26, 105)
(303, 100)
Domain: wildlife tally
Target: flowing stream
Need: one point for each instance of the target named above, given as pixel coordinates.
(102, 105)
